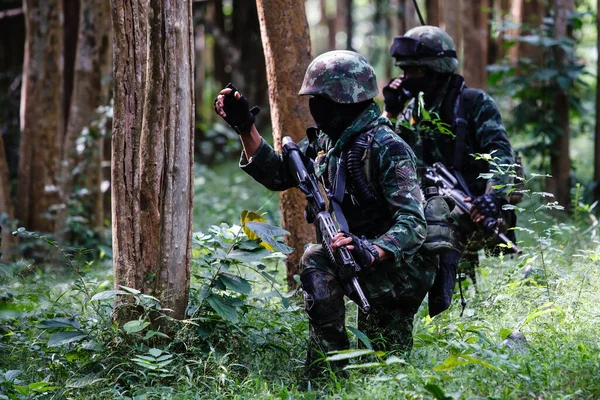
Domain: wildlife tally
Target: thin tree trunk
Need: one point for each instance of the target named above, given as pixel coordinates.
(92, 65)
(410, 15)
(41, 115)
(516, 12)
(560, 161)
(532, 17)
(475, 42)
(597, 137)
(6, 211)
(454, 24)
(433, 12)
(71, 13)
(152, 171)
(283, 22)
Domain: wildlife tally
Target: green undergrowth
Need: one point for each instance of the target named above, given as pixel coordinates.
(529, 330)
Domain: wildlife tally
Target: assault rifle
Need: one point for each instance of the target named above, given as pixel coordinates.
(448, 185)
(303, 170)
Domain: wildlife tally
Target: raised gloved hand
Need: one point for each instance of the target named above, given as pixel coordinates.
(394, 97)
(233, 107)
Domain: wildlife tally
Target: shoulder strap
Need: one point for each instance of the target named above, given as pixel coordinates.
(460, 125)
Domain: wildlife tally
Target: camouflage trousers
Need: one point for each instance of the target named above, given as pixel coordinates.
(394, 292)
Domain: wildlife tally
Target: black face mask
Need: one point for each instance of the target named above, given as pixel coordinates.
(416, 85)
(328, 116)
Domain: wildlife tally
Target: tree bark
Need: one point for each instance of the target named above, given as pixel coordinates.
(349, 24)
(597, 137)
(283, 22)
(6, 211)
(560, 161)
(41, 115)
(92, 65)
(152, 153)
(453, 18)
(410, 15)
(475, 27)
(433, 12)
(532, 16)
(516, 12)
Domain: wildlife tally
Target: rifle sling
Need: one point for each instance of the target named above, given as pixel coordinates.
(460, 126)
(338, 193)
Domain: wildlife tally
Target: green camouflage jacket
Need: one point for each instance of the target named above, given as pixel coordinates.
(396, 224)
(485, 135)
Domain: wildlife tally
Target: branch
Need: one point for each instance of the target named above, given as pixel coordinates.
(11, 13)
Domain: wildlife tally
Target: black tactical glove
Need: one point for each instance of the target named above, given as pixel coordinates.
(363, 250)
(489, 206)
(239, 116)
(393, 99)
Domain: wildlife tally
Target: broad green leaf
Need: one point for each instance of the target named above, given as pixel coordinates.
(107, 294)
(505, 332)
(10, 375)
(130, 290)
(436, 391)
(84, 382)
(223, 307)
(236, 283)
(250, 216)
(61, 338)
(40, 387)
(361, 336)
(155, 352)
(135, 326)
(249, 256)
(347, 354)
(151, 334)
(268, 234)
(60, 322)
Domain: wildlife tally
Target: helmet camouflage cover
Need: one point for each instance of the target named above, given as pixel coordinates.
(342, 76)
(437, 50)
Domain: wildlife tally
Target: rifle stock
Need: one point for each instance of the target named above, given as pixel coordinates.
(441, 177)
(318, 215)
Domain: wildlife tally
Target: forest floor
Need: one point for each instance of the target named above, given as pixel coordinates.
(246, 337)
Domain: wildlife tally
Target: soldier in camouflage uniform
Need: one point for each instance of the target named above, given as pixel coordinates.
(428, 58)
(386, 228)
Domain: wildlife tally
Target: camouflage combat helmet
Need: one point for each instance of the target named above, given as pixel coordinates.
(425, 46)
(342, 76)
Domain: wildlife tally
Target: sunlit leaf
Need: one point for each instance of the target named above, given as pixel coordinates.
(250, 216)
(135, 326)
(107, 294)
(269, 234)
(347, 354)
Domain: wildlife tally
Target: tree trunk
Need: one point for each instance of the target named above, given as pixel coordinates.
(152, 171)
(92, 65)
(283, 22)
(475, 28)
(71, 11)
(597, 137)
(340, 17)
(433, 12)
(6, 213)
(41, 115)
(532, 16)
(560, 161)
(454, 25)
(410, 15)
(516, 12)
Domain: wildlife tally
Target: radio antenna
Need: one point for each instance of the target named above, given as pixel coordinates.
(419, 13)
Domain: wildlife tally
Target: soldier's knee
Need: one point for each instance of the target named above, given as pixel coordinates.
(323, 295)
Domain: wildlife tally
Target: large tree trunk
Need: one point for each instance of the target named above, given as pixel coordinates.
(532, 16)
(283, 22)
(92, 65)
(516, 12)
(433, 12)
(5, 204)
(152, 153)
(41, 115)
(560, 161)
(475, 53)
(597, 137)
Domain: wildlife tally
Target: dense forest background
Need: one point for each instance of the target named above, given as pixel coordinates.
(144, 263)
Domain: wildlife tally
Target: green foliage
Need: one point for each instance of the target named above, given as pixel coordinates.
(245, 338)
(530, 87)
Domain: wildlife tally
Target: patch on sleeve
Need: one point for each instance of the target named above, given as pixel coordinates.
(405, 173)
